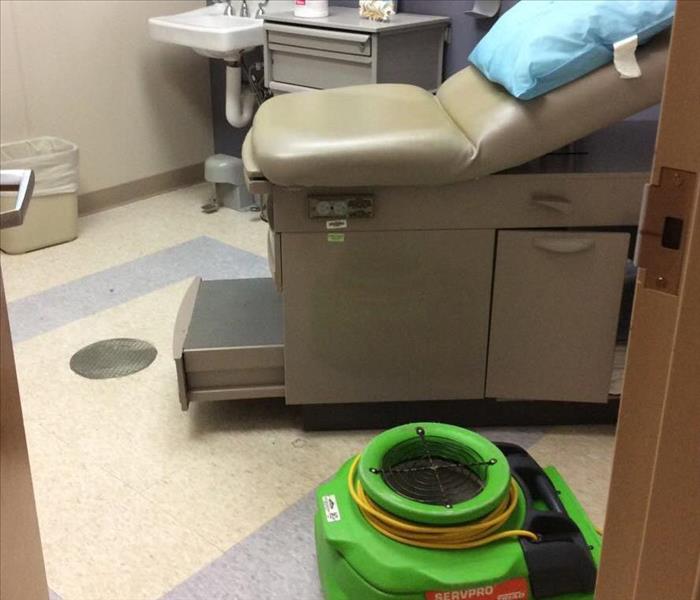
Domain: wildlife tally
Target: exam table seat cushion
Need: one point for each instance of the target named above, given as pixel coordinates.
(377, 134)
(399, 135)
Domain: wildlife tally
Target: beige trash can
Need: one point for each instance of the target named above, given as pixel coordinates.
(52, 216)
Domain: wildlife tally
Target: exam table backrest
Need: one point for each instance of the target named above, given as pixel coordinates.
(507, 132)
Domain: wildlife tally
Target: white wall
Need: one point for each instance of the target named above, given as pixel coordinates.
(87, 71)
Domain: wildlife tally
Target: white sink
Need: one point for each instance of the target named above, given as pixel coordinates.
(208, 31)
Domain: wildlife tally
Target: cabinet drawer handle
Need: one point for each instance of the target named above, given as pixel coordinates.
(557, 203)
(288, 88)
(563, 245)
(323, 34)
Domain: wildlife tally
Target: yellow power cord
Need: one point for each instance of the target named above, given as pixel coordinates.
(455, 537)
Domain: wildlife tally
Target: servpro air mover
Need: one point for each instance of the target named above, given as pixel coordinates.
(436, 512)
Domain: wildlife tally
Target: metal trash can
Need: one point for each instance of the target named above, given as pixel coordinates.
(52, 216)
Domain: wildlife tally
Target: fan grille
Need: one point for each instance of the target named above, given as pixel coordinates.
(434, 470)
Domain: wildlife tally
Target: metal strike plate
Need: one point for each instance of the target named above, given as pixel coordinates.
(355, 206)
(663, 236)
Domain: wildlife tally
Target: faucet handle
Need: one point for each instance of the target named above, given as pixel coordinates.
(228, 9)
(244, 9)
(261, 9)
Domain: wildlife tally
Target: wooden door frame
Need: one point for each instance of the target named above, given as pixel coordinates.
(22, 574)
(651, 547)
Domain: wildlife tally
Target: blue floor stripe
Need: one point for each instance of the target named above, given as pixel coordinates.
(63, 304)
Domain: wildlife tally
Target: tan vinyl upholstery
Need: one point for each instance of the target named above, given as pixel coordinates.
(360, 135)
(392, 134)
(251, 166)
(508, 132)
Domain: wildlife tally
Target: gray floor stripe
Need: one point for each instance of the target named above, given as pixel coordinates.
(278, 561)
(53, 595)
(63, 304)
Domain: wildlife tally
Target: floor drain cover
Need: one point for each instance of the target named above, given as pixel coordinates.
(117, 357)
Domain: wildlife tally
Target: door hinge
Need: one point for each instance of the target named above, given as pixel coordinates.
(663, 232)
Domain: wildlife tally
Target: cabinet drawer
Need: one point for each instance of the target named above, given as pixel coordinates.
(494, 202)
(228, 341)
(320, 39)
(556, 301)
(317, 69)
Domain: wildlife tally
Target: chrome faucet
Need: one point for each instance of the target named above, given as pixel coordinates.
(260, 13)
(228, 10)
(244, 9)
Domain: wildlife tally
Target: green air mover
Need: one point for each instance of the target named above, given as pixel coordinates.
(437, 512)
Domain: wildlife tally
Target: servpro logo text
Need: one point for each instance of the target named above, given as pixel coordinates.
(482, 592)
(514, 589)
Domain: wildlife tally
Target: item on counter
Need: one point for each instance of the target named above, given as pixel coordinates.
(311, 9)
(377, 10)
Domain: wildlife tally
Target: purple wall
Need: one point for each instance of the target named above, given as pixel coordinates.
(466, 29)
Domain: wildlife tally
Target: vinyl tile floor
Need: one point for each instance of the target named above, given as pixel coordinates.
(138, 500)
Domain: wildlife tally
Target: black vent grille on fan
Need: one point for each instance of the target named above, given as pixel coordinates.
(433, 470)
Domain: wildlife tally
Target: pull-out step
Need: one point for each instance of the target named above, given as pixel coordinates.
(229, 341)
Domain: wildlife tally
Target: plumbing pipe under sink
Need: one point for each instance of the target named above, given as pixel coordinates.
(240, 101)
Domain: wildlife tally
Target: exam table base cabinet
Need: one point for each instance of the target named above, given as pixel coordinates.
(429, 299)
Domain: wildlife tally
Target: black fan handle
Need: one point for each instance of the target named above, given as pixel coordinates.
(542, 489)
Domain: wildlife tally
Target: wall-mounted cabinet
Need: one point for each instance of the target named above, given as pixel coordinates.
(344, 49)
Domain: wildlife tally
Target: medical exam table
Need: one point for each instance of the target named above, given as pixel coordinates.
(411, 262)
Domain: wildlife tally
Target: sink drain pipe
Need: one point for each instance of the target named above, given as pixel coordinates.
(240, 101)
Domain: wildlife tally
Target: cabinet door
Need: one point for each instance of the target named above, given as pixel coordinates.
(556, 302)
(386, 315)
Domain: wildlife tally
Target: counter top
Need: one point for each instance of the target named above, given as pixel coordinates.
(348, 19)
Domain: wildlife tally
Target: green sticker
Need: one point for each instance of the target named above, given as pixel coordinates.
(336, 237)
